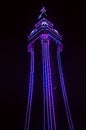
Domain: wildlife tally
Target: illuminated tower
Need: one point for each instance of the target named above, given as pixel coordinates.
(43, 111)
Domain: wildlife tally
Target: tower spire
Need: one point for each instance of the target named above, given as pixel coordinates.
(43, 10)
(43, 13)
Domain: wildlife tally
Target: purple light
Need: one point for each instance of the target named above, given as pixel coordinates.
(47, 84)
(52, 100)
(64, 91)
(45, 30)
(43, 10)
(45, 94)
(30, 94)
(44, 20)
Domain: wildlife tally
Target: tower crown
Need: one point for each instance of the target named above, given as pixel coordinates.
(44, 26)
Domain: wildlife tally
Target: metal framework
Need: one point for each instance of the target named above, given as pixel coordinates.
(44, 30)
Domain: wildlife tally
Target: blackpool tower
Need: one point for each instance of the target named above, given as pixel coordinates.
(47, 103)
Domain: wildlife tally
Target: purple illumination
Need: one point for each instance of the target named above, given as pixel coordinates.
(71, 127)
(30, 94)
(47, 85)
(45, 31)
(43, 10)
(50, 79)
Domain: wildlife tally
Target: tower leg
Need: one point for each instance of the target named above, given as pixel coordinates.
(30, 94)
(51, 90)
(71, 127)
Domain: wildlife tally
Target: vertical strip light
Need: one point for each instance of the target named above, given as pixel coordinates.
(30, 94)
(45, 97)
(49, 86)
(71, 127)
(49, 112)
(51, 89)
(47, 93)
(44, 84)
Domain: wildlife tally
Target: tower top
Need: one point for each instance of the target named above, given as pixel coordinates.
(43, 13)
(44, 26)
(43, 10)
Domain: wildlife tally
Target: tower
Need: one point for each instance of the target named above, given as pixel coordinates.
(46, 77)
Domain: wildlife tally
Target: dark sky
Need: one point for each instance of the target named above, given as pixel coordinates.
(17, 19)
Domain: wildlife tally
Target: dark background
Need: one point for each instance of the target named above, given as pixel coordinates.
(17, 19)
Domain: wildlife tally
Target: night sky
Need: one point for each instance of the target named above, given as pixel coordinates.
(17, 19)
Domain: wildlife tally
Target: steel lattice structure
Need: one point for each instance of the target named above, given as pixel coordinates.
(45, 31)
